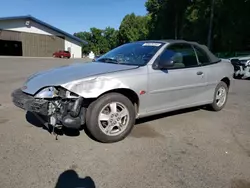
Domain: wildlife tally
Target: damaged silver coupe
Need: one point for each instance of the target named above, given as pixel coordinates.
(132, 81)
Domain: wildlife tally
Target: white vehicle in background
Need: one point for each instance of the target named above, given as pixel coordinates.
(91, 55)
(241, 66)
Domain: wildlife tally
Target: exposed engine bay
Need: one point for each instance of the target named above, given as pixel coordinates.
(60, 106)
(64, 107)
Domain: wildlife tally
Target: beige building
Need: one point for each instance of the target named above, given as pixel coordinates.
(28, 36)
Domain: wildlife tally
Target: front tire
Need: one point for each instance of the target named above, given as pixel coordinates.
(220, 97)
(110, 118)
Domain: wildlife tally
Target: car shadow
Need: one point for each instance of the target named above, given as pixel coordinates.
(70, 179)
(167, 114)
(32, 119)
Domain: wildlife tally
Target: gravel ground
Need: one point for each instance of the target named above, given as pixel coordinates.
(185, 149)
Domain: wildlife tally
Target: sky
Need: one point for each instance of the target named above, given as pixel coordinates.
(74, 15)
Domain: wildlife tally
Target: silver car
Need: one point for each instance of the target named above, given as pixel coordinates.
(132, 81)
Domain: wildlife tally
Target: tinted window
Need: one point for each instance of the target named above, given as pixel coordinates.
(202, 56)
(184, 55)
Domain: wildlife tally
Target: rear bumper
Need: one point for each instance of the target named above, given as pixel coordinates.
(29, 103)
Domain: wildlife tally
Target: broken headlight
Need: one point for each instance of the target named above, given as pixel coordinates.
(48, 92)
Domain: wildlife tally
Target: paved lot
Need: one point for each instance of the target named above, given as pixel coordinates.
(186, 149)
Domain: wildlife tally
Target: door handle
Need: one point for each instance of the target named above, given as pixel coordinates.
(199, 73)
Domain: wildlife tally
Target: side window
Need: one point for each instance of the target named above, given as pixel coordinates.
(202, 56)
(184, 55)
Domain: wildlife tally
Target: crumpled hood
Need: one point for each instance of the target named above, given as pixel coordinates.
(69, 73)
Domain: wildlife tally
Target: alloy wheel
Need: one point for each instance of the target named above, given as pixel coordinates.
(221, 96)
(113, 118)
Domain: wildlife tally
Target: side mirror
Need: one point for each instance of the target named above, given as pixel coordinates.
(168, 59)
(164, 64)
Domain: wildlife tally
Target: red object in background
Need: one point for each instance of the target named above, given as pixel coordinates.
(62, 54)
(142, 92)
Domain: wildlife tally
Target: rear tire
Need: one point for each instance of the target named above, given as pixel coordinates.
(220, 97)
(110, 118)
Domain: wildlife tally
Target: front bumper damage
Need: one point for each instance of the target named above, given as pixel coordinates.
(29, 103)
(59, 112)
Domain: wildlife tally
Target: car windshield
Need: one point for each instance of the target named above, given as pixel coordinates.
(137, 53)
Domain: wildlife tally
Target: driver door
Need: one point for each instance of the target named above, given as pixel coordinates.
(180, 86)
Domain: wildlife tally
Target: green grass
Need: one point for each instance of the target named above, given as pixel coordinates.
(231, 54)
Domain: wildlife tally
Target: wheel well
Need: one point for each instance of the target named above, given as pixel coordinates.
(130, 94)
(227, 81)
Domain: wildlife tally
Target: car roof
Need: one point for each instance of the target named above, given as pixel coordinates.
(212, 57)
(170, 41)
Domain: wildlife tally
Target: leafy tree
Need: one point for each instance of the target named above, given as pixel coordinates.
(133, 28)
(167, 17)
(86, 48)
(186, 19)
(111, 35)
(99, 41)
(179, 19)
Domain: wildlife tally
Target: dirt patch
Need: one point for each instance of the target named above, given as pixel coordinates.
(240, 184)
(144, 130)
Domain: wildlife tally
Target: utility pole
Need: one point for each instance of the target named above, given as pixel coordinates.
(210, 24)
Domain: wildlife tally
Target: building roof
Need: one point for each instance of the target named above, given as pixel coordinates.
(46, 25)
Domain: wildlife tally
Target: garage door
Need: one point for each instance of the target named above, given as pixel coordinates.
(37, 45)
(10, 44)
(10, 48)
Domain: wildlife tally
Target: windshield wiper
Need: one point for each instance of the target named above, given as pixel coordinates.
(109, 60)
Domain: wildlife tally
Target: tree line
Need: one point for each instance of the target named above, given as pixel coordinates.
(223, 25)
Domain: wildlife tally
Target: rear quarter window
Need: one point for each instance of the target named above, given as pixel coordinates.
(202, 56)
